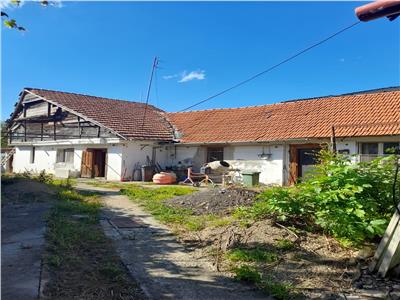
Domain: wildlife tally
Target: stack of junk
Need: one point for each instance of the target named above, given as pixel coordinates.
(216, 167)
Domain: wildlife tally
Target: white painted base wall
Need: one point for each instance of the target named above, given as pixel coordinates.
(123, 155)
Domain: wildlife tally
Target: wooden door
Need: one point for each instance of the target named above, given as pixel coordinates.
(99, 162)
(87, 164)
(297, 155)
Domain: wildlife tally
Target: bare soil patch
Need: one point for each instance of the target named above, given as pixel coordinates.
(23, 190)
(217, 201)
(314, 265)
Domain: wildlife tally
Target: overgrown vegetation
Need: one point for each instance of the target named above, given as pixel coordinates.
(81, 259)
(251, 255)
(352, 202)
(152, 200)
(280, 291)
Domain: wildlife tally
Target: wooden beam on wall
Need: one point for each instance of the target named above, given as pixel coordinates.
(25, 131)
(54, 130)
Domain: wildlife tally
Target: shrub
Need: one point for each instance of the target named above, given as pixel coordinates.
(247, 273)
(44, 177)
(352, 202)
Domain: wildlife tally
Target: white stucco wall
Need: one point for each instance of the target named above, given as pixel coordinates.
(240, 157)
(246, 158)
(45, 159)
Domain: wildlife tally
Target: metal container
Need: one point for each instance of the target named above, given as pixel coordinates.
(147, 173)
(250, 178)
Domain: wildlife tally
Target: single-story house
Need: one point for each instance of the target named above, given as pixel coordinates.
(70, 134)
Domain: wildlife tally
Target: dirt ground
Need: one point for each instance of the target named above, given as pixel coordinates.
(218, 201)
(317, 266)
(93, 269)
(23, 190)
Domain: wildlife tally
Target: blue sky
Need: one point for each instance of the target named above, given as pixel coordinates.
(106, 49)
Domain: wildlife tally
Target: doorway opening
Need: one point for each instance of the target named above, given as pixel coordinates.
(303, 157)
(93, 163)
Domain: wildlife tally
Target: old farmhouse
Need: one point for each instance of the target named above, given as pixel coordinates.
(78, 135)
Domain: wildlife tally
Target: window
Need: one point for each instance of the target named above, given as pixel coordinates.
(390, 148)
(33, 155)
(65, 155)
(369, 148)
(215, 153)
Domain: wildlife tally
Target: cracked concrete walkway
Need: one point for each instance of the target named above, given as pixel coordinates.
(22, 244)
(161, 265)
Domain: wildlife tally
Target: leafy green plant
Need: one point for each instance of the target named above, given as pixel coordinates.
(351, 201)
(279, 291)
(44, 177)
(284, 244)
(251, 255)
(247, 273)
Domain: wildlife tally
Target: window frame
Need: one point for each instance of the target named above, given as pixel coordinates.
(63, 154)
(216, 149)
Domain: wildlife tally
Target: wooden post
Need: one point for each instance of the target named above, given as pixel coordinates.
(54, 130)
(98, 131)
(48, 109)
(25, 131)
(333, 139)
(41, 131)
(79, 127)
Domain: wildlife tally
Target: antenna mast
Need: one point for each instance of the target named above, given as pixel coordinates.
(155, 63)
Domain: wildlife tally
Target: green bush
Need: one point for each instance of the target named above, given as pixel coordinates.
(351, 201)
(247, 273)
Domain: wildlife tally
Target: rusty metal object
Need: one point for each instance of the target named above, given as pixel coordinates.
(378, 9)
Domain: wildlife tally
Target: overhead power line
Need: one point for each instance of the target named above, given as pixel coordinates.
(272, 67)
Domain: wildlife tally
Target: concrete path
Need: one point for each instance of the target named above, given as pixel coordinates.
(161, 265)
(22, 245)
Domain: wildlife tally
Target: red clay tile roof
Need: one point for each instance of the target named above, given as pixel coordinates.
(367, 114)
(123, 117)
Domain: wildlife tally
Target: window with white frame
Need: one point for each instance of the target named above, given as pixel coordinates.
(370, 151)
(65, 155)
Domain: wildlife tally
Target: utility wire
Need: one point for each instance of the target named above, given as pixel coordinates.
(272, 67)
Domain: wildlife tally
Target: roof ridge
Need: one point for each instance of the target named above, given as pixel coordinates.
(317, 98)
(85, 95)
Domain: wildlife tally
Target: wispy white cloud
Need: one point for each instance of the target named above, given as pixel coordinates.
(187, 76)
(193, 75)
(57, 3)
(167, 77)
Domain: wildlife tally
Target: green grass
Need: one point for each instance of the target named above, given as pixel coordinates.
(280, 291)
(77, 249)
(247, 273)
(284, 244)
(251, 255)
(152, 200)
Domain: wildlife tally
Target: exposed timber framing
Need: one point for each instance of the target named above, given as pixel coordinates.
(75, 113)
(42, 120)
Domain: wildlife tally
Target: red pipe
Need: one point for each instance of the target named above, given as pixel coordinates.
(378, 9)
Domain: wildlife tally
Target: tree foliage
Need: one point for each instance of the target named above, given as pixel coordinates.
(12, 23)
